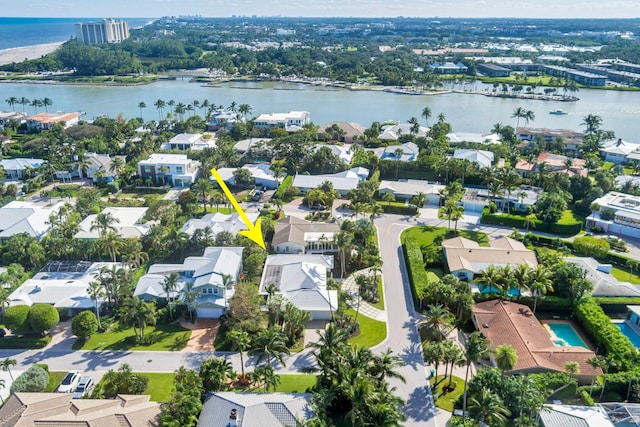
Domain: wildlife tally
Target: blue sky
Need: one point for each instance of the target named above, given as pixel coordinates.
(323, 8)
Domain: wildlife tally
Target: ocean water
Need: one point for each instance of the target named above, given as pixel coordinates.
(17, 32)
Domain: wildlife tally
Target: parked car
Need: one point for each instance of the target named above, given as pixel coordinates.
(84, 388)
(70, 382)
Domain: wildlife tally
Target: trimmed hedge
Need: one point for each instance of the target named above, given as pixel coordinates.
(282, 188)
(517, 221)
(586, 399)
(598, 325)
(546, 304)
(416, 268)
(399, 210)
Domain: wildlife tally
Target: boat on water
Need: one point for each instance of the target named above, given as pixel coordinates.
(558, 112)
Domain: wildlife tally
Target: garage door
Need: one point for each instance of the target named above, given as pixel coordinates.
(208, 313)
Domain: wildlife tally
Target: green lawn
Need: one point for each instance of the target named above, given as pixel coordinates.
(569, 217)
(623, 275)
(372, 332)
(55, 378)
(446, 400)
(380, 304)
(167, 337)
(425, 235)
(160, 385)
(296, 383)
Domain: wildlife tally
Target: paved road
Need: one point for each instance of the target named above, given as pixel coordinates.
(402, 332)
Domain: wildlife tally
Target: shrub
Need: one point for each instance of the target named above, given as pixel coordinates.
(415, 264)
(34, 379)
(586, 399)
(84, 324)
(16, 318)
(399, 210)
(591, 246)
(122, 381)
(598, 325)
(43, 317)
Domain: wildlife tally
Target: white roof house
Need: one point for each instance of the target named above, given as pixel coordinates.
(626, 210)
(261, 174)
(394, 132)
(410, 152)
(245, 145)
(176, 169)
(482, 158)
(62, 284)
(27, 217)
(189, 141)
(604, 283)
(619, 151)
(205, 272)
(226, 117)
(344, 152)
(291, 121)
(476, 138)
(127, 223)
(224, 409)
(302, 280)
(342, 181)
(16, 168)
(574, 416)
(408, 188)
(217, 222)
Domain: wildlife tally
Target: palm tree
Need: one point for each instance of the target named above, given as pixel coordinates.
(96, 291)
(270, 343)
(138, 313)
(46, 102)
(398, 153)
(189, 295)
(528, 116)
(518, 113)
(475, 349)
(141, 105)
(160, 105)
(595, 207)
(488, 408)
(509, 179)
(438, 322)
(388, 197)
(572, 368)
(530, 221)
(540, 282)
(104, 223)
(419, 199)
(343, 241)
(23, 101)
(506, 357)
(35, 104)
(169, 286)
(215, 372)
(434, 353)
(227, 285)
(592, 123)
(6, 365)
(12, 101)
(426, 114)
(202, 187)
(240, 341)
(180, 110)
(633, 265)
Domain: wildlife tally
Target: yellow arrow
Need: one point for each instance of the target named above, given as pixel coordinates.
(254, 232)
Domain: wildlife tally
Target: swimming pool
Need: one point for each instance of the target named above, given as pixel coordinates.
(566, 335)
(628, 332)
(484, 289)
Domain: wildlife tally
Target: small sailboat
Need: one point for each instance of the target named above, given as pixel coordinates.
(558, 112)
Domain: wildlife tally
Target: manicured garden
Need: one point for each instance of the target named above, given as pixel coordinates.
(372, 332)
(161, 337)
(447, 394)
(623, 275)
(295, 383)
(160, 385)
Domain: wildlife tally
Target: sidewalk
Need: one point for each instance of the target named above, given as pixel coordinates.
(351, 288)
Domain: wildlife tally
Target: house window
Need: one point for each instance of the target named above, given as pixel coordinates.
(179, 169)
(147, 169)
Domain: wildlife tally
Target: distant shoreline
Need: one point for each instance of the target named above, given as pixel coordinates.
(19, 54)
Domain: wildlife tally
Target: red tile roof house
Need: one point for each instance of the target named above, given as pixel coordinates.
(504, 322)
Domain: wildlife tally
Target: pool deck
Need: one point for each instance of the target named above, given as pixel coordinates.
(575, 327)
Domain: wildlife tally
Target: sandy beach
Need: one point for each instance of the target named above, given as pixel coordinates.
(19, 54)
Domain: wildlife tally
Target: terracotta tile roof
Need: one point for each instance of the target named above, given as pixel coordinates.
(503, 322)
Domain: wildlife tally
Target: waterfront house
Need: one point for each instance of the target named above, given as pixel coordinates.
(292, 235)
(31, 218)
(394, 132)
(228, 409)
(466, 259)
(572, 140)
(46, 121)
(604, 283)
(223, 118)
(448, 68)
(521, 199)
(407, 189)
(61, 409)
(557, 163)
(456, 138)
(128, 223)
(619, 213)
(62, 284)
(176, 169)
(261, 174)
(204, 272)
(189, 141)
(7, 116)
(18, 168)
(302, 280)
(505, 322)
(409, 152)
(482, 158)
(348, 132)
(619, 151)
(292, 121)
(214, 223)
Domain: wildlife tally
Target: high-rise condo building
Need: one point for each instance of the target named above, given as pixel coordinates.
(106, 31)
